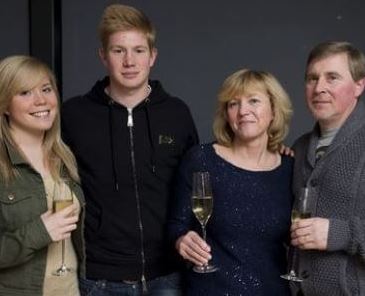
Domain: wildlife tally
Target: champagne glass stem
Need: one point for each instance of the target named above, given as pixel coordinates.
(293, 260)
(63, 252)
(204, 232)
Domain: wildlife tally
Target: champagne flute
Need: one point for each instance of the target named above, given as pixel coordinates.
(202, 206)
(300, 211)
(62, 198)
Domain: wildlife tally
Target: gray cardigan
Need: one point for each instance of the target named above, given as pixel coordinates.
(337, 186)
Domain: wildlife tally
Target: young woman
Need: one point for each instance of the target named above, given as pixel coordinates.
(33, 160)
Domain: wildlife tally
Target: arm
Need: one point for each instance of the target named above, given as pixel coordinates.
(20, 245)
(181, 220)
(335, 234)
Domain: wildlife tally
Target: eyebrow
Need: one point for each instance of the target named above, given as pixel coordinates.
(46, 84)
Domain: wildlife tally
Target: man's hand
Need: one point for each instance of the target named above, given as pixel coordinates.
(310, 234)
(284, 150)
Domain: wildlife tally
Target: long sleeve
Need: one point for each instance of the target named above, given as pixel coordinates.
(349, 235)
(181, 218)
(20, 245)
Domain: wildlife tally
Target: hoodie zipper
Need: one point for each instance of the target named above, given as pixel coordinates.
(130, 125)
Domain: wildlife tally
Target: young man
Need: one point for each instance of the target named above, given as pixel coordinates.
(330, 162)
(128, 136)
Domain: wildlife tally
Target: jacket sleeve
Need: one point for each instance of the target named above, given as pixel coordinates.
(20, 245)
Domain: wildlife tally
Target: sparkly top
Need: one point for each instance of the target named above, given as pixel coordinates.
(247, 230)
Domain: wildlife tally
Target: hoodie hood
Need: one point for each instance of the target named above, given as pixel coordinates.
(98, 95)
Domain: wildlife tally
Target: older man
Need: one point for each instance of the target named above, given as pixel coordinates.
(330, 162)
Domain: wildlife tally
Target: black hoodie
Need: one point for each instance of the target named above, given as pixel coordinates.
(127, 175)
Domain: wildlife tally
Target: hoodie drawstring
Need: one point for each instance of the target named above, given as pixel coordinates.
(150, 136)
(115, 177)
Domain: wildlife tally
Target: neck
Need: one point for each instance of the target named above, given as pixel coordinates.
(128, 97)
(254, 155)
(26, 139)
(32, 148)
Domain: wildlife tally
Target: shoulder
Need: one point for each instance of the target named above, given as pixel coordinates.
(198, 153)
(73, 104)
(287, 162)
(301, 142)
(160, 97)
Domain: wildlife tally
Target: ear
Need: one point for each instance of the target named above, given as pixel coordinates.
(153, 56)
(102, 56)
(360, 85)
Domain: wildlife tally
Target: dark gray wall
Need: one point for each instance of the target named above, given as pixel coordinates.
(14, 27)
(201, 42)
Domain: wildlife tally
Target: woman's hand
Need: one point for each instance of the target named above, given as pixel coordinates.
(193, 248)
(60, 224)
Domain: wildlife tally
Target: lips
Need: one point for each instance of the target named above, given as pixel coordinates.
(319, 103)
(130, 75)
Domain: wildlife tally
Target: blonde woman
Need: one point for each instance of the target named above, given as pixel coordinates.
(32, 159)
(251, 184)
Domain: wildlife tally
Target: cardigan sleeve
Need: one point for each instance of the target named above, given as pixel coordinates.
(349, 235)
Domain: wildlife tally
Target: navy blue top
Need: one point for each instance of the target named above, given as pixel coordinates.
(247, 230)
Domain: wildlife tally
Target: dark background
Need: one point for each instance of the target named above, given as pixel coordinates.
(199, 44)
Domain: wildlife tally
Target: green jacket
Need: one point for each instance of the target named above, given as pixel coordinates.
(23, 236)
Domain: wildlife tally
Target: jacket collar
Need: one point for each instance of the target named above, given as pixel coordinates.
(15, 157)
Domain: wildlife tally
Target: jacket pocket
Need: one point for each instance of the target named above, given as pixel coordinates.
(18, 208)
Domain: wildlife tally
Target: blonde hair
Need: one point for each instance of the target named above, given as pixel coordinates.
(241, 83)
(118, 17)
(19, 74)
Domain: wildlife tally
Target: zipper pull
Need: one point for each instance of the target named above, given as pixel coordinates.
(144, 285)
(130, 117)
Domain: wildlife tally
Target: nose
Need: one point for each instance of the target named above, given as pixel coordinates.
(244, 108)
(39, 98)
(320, 85)
(128, 59)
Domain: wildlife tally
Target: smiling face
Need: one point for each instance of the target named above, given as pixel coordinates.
(128, 60)
(331, 92)
(33, 111)
(249, 116)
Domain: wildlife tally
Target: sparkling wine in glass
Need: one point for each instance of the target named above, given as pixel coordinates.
(62, 198)
(300, 211)
(202, 206)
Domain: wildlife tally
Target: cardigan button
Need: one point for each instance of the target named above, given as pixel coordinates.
(11, 196)
(314, 183)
